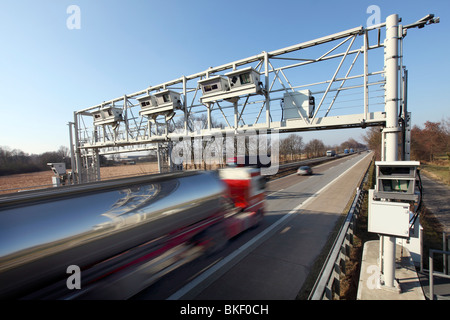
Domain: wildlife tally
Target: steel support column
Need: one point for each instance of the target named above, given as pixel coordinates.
(392, 129)
(266, 85)
(79, 166)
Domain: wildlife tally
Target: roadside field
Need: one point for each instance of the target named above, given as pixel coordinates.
(43, 179)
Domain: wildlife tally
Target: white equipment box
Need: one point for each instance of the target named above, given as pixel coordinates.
(388, 218)
(298, 104)
(58, 168)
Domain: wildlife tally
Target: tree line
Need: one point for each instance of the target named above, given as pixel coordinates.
(431, 141)
(428, 142)
(292, 147)
(16, 161)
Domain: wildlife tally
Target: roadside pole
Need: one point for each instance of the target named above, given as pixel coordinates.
(391, 131)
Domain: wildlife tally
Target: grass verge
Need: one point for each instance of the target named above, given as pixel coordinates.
(438, 170)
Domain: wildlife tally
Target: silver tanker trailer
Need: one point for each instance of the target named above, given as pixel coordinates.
(122, 235)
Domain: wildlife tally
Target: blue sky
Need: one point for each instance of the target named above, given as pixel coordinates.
(48, 71)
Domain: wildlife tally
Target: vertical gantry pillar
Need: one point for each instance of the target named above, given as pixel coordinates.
(392, 129)
(266, 79)
(80, 173)
(159, 158)
(392, 80)
(208, 106)
(96, 164)
(73, 177)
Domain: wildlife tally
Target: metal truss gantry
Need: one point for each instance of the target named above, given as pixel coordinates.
(262, 92)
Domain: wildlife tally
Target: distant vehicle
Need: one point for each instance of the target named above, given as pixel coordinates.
(351, 151)
(346, 151)
(304, 170)
(331, 153)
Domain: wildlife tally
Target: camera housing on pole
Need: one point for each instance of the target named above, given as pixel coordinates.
(148, 105)
(244, 81)
(164, 102)
(236, 83)
(168, 100)
(396, 180)
(108, 115)
(213, 88)
(391, 203)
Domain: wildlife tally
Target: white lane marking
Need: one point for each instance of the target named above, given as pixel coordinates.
(221, 264)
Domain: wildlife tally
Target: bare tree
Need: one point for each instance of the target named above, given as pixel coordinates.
(430, 141)
(315, 148)
(373, 140)
(291, 145)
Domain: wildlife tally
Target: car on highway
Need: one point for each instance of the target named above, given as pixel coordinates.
(304, 170)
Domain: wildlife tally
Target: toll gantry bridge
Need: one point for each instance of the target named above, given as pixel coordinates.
(336, 81)
(324, 83)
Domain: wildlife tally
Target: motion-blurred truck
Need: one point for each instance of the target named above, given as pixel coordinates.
(121, 235)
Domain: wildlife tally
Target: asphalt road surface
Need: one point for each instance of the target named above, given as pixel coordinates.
(272, 260)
